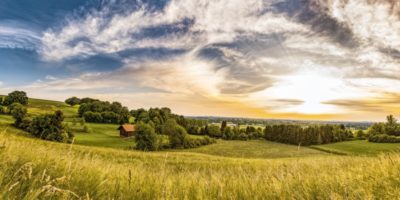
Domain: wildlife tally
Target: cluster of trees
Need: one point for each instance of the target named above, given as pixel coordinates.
(148, 139)
(157, 117)
(388, 132)
(97, 111)
(311, 135)
(232, 132)
(6, 102)
(14, 97)
(47, 127)
(77, 101)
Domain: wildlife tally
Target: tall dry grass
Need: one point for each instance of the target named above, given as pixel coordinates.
(33, 169)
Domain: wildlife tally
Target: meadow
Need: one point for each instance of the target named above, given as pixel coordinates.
(100, 165)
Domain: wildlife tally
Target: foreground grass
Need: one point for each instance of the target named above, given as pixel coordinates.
(256, 149)
(32, 169)
(359, 147)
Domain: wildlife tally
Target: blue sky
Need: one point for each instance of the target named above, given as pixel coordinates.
(306, 59)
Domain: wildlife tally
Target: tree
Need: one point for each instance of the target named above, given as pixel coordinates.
(18, 112)
(376, 129)
(177, 137)
(223, 126)
(360, 134)
(391, 126)
(73, 101)
(16, 97)
(145, 137)
(214, 131)
(50, 127)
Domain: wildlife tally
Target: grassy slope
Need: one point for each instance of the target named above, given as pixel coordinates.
(359, 147)
(61, 171)
(256, 149)
(103, 135)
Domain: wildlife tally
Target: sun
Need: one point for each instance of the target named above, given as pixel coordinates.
(311, 87)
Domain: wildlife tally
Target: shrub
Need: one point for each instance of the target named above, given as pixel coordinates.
(145, 137)
(384, 138)
(16, 97)
(177, 137)
(2, 110)
(93, 117)
(214, 131)
(73, 101)
(50, 127)
(190, 142)
(18, 112)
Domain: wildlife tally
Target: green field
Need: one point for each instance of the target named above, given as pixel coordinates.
(101, 165)
(256, 149)
(359, 147)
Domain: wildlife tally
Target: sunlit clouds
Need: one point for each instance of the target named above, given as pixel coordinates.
(308, 59)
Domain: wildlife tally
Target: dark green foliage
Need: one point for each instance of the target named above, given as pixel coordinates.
(2, 110)
(50, 127)
(145, 137)
(360, 134)
(175, 132)
(104, 112)
(178, 137)
(159, 116)
(88, 100)
(312, 135)
(388, 132)
(384, 138)
(18, 111)
(93, 117)
(73, 101)
(214, 131)
(16, 97)
(378, 131)
(190, 142)
(223, 126)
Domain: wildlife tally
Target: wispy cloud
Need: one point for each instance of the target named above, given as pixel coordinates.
(312, 57)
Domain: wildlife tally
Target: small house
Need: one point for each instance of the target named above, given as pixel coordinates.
(126, 130)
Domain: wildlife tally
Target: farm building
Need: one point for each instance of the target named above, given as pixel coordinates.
(126, 130)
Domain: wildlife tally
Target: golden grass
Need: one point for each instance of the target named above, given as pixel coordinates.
(31, 169)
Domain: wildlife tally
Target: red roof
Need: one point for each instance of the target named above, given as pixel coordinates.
(127, 127)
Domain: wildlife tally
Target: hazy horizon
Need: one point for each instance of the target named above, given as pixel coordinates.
(283, 59)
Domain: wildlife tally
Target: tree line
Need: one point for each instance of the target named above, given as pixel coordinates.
(96, 111)
(310, 135)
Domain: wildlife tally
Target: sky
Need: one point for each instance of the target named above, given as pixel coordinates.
(283, 59)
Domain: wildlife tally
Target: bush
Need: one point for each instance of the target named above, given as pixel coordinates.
(190, 142)
(50, 127)
(73, 101)
(145, 137)
(18, 112)
(16, 97)
(93, 117)
(2, 110)
(384, 138)
(214, 131)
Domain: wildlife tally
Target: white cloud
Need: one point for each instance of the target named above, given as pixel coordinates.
(18, 37)
(214, 22)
